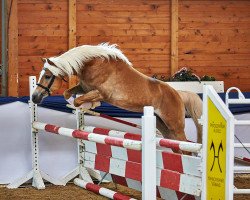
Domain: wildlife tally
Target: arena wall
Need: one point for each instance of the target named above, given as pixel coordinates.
(212, 37)
(1, 45)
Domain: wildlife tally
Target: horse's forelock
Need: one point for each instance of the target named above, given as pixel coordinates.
(53, 68)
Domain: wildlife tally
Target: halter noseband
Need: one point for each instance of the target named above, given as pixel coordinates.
(47, 89)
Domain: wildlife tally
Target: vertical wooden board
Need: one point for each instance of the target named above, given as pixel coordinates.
(13, 49)
(72, 35)
(174, 36)
(72, 23)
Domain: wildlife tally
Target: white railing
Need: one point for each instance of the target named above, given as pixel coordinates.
(240, 100)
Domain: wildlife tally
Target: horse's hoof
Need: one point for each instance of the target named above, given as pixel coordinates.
(95, 104)
(76, 104)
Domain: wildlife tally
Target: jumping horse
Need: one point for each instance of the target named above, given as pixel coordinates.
(106, 74)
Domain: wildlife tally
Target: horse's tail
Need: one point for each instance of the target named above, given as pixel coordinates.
(193, 106)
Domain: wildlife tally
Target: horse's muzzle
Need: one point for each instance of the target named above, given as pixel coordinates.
(37, 98)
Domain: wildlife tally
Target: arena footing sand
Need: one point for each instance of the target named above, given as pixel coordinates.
(73, 192)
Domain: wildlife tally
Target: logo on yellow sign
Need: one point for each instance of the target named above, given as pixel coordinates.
(212, 147)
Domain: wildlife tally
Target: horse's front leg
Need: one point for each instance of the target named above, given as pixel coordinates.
(92, 96)
(74, 90)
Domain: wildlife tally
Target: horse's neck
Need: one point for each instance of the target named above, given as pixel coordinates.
(94, 71)
(98, 71)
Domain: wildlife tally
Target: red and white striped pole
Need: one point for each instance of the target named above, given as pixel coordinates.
(161, 142)
(103, 139)
(101, 190)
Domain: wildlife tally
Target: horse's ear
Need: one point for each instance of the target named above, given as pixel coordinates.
(43, 60)
(50, 62)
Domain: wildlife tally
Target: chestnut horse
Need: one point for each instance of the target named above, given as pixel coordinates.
(106, 74)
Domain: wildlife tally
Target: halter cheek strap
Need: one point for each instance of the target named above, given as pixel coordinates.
(47, 89)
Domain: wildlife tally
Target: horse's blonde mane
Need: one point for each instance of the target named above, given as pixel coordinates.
(74, 59)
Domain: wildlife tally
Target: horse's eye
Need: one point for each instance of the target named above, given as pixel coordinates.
(47, 76)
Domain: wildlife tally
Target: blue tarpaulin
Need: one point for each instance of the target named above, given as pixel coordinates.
(59, 103)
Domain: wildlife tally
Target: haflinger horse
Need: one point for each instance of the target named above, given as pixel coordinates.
(106, 74)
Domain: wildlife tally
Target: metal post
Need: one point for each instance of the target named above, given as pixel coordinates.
(3, 71)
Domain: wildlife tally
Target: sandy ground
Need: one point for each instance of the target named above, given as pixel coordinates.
(61, 193)
(73, 192)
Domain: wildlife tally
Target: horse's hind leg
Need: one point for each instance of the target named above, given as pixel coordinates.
(161, 126)
(166, 133)
(174, 128)
(173, 116)
(172, 113)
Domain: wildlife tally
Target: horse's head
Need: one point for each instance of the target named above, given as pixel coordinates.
(47, 83)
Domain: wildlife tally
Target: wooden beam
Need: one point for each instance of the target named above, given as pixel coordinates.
(174, 36)
(13, 49)
(72, 34)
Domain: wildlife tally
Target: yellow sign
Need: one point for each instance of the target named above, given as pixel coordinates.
(216, 154)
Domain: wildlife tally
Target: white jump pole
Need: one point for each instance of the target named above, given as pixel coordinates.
(148, 154)
(37, 177)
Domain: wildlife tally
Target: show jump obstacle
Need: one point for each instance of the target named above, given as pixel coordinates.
(144, 162)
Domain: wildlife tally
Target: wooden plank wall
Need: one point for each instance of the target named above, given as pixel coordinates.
(213, 37)
(0, 44)
(140, 27)
(43, 32)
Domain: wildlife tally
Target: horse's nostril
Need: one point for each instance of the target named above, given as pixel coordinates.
(34, 98)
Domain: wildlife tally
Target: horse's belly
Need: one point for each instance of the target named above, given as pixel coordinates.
(131, 104)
